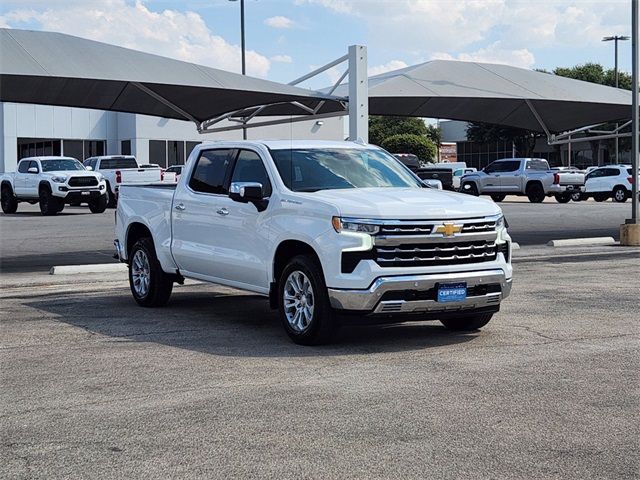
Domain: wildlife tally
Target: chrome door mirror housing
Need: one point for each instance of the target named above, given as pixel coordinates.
(248, 192)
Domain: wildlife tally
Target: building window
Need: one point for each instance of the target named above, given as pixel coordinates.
(93, 148)
(158, 152)
(175, 153)
(190, 147)
(125, 147)
(73, 148)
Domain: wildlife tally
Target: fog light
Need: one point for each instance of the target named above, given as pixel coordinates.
(63, 189)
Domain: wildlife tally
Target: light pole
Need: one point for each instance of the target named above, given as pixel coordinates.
(615, 39)
(242, 48)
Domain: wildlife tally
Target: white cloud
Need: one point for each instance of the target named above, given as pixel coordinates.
(387, 67)
(279, 22)
(282, 59)
(493, 53)
(171, 33)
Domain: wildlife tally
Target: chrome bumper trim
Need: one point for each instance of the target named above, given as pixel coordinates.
(369, 299)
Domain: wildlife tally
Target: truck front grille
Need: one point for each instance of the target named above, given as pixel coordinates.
(422, 255)
(83, 182)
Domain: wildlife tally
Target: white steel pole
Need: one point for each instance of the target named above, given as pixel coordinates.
(358, 94)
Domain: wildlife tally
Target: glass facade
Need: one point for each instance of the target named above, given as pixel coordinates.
(170, 152)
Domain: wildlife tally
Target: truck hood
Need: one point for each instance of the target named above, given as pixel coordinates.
(406, 203)
(71, 173)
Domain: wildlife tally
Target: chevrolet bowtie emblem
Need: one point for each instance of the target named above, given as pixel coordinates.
(449, 229)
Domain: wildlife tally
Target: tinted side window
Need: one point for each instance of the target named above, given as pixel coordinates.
(23, 166)
(491, 168)
(249, 168)
(510, 166)
(210, 172)
(610, 172)
(537, 165)
(629, 171)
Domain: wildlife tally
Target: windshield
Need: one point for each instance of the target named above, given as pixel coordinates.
(310, 170)
(60, 165)
(113, 163)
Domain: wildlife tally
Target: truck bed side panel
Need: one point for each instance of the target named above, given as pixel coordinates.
(151, 206)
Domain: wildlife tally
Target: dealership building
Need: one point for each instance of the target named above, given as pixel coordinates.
(29, 130)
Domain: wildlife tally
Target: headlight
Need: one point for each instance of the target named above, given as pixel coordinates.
(59, 179)
(501, 223)
(100, 177)
(347, 225)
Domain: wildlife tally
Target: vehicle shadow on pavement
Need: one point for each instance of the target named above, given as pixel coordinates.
(230, 325)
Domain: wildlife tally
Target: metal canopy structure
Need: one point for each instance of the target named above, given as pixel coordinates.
(57, 69)
(497, 94)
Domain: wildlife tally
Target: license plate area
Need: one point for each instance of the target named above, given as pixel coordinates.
(85, 193)
(452, 292)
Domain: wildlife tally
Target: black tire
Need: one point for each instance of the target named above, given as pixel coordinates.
(563, 197)
(498, 197)
(49, 205)
(535, 193)
(322, 325)
(112, 202)
(160, 284)
(620, 194)
(577, 196)
(601, 197)
(8, 200)
(98, 205)
(467, 323)
(471, 188)
(60, 207)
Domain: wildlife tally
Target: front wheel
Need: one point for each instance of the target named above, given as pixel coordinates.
(49, 205)
(620, 194)
(8, 200)
(600, 197)
(98, 205)
(467, 322)
(150, 285)
(563, 198)
(498, 197)
(304, 307)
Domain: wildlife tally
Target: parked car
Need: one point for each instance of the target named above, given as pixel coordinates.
(320, 228)
(429, 171)
(529, 177)
(121, 169)
(52, 182)
(612, 181)
(458, 173)
(176, 169)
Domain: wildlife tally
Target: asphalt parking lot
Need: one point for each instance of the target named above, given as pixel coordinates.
(30, 242)
(211, 387)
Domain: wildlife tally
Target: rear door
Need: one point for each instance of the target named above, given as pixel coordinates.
(510, 176)
(197, 235)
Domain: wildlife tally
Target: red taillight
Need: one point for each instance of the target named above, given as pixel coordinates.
(630, 179)
(556, 178)
(118, 176)
(161, 175)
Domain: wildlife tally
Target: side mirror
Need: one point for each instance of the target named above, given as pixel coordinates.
(32, 170)
(89, 168)
(437, 184)
(248, 192)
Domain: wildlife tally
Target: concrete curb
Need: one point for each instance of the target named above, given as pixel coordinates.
(581, 242)
(93, 268)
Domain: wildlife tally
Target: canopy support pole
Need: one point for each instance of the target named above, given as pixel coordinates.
(165, 102)
(538, 117)
(635, 127)
(358, 94)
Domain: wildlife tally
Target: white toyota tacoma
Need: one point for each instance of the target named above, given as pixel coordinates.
(324, 229)
(52, 182)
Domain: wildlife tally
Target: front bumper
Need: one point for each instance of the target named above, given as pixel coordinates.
(483, 286)
(79, 194)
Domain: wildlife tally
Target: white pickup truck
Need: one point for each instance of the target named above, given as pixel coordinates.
(530, 177)
(52, 182)
(323, 229)
(121, 169)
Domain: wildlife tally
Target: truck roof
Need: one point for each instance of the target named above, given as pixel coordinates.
(48, 157)
(289, 144)
(110, 157)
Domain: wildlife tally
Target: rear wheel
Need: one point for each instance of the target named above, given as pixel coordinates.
(467, 322)
(535, 193)
(600, 197)
(98, 205)
(563, 197)
(8, 200)
(576, 196)
(498, 197)
(470, 188)
(620, 194)
(49, 205)
(303, 302)
(150, 285)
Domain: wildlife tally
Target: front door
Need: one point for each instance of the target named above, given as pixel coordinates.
(20, 178)
(490, 180)
(32, 180)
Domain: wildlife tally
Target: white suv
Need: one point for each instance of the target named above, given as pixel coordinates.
(611, 181)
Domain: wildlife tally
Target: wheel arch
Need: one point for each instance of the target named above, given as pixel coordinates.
(531, 183)
(619, 185)
(136, 231)
(44, 184)
(7, 184)
(285, 251)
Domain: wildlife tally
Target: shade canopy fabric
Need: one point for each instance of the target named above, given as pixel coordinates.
(496, 94)
(57, 69)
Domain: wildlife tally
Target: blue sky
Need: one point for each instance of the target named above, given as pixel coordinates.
(288, 38)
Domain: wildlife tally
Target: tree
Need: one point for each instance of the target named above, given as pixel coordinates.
(381, 128)
(419, 145)
(434, 134)
(524, 140)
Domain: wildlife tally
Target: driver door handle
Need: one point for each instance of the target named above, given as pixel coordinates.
(222, 211)
(180, 207)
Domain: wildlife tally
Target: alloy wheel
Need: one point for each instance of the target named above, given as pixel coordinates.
(298, 301)
(140, 273)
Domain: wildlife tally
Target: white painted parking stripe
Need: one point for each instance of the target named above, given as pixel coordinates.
(92, 268)
(577, 242)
